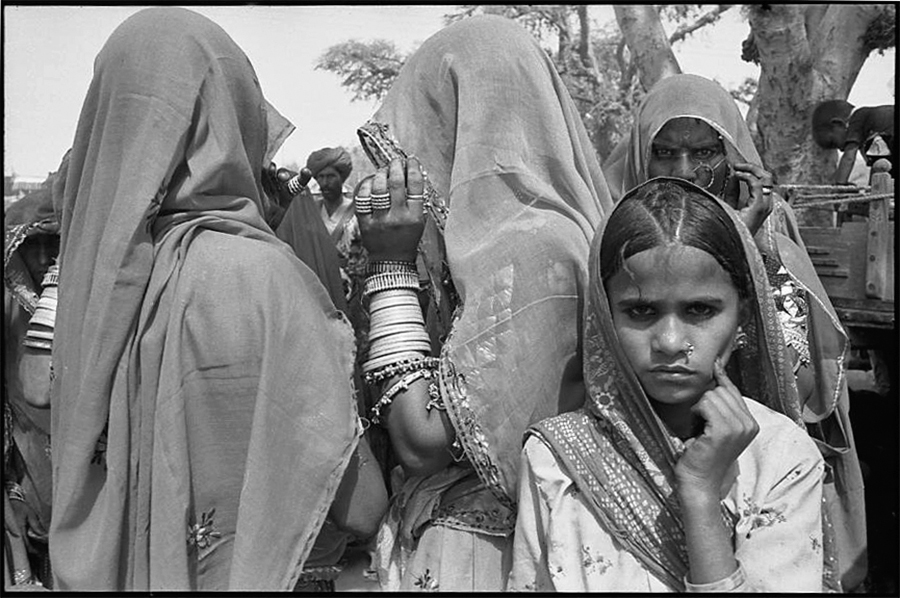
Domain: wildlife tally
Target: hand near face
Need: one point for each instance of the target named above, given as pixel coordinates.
(392, 233)
(759, 204)
(708, 465)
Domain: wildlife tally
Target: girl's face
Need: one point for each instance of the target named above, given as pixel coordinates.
(675, 310)
(690, 149)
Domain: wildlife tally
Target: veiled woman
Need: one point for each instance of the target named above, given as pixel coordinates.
(513, 193)
(30, 248)
(691, 128)
(198, 440)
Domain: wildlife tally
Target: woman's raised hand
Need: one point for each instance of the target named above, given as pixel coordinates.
(707, 465)
(390, 208)
(759, 205)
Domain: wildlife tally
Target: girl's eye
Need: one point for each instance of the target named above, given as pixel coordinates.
(701, 310)
(640, 312)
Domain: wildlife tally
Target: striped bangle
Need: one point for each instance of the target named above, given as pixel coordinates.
(397, 368)
(389, 281)
(51, 277)
(15, 491)
(384, 266)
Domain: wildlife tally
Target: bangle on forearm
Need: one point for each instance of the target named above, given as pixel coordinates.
(386, 266)
(400, 367)
(15, 492)
(401, 385)
(42, 323)
(396, 329)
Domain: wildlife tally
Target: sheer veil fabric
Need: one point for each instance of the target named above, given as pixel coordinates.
(197, 443)
(516, 193)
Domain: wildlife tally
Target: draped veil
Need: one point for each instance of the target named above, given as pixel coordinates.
(618, 451)
(809, 321)
(515, 193)
(183, 382)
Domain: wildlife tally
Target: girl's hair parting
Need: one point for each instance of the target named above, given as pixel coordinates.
(665, 212)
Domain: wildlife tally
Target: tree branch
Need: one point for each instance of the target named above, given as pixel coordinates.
(710, 17)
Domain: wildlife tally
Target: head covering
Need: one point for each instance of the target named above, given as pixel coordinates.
(184, 386)
(677, 96)
(514, 193)
(619, 442)
(810, 323)
(336, 157)
(30, 216)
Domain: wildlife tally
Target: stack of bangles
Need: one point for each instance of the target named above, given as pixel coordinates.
(399, 345)
(40, 328)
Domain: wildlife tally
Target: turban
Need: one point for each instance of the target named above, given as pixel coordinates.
(336, 157)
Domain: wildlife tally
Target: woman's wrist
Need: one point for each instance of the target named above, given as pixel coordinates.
(697, 495)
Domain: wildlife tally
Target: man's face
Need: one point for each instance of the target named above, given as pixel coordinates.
(330, 183)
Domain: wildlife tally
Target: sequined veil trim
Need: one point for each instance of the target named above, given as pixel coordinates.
(796, 331)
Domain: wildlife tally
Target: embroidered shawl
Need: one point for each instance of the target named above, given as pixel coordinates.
(197, 441)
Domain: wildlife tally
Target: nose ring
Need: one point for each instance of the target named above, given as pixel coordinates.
(712, 174)
(689, 350)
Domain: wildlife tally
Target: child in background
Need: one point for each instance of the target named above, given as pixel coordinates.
(868, 129)
(670, 478)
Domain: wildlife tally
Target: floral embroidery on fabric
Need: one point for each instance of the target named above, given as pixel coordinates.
(757, 517)
(201, 534)
(501, 521)
(816, 544)
(594, 563)
(426, 582)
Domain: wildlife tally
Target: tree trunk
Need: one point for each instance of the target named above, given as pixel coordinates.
(647, 42)
(806, 54)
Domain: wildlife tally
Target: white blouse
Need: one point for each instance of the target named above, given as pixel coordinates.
(775, 503)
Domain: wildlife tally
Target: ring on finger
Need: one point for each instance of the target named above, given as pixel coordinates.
(381, 201)
(415, 197)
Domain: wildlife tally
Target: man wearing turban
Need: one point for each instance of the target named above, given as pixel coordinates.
(331, 166)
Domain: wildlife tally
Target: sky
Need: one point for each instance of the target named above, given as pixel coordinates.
(49, 51)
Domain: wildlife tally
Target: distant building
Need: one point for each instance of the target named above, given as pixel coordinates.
(15, 187)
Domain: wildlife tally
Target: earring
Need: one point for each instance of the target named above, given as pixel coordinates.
(740, 339)
(689, 350)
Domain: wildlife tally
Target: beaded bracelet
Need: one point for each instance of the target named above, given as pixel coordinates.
(401, 385)
(373, 365)
(385, 266)
(398, 368)
(390, 280)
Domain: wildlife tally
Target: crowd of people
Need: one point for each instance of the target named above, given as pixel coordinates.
(495, 365)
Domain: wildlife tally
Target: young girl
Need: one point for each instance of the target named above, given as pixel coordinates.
(670, 478)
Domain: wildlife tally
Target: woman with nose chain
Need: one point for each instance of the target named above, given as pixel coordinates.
(690, 127)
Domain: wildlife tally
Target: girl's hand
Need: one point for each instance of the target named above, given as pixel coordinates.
(394, 233)
(759, 205)
(708, 465)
